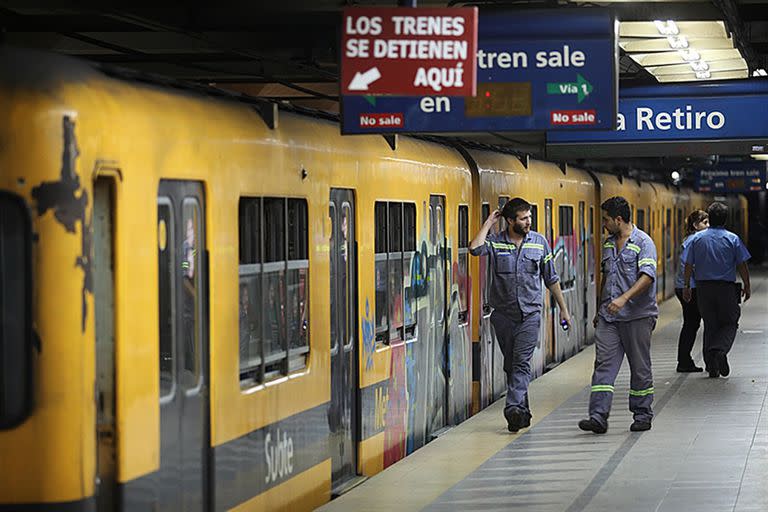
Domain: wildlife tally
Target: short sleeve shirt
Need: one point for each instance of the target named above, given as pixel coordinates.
(622, 269)
(517, 272)
(714, 254)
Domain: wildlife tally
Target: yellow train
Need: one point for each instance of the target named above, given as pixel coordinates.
(211, 304)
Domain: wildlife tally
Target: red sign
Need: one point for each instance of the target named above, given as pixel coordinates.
(375, 120)
(572, 117)
(409, 51)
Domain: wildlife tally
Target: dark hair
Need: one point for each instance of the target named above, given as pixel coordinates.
(718, 214)
(695, 217)
(617, 206)
(515, 206)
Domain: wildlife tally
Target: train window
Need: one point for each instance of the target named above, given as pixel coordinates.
(16, 328)
(502, 221)
(409, 273)
(395, 258)
(249, 291)
(273, 291)
(297, 282)
(381, 239)
(396, 279)
(534, 217)
(668, 234)
(166, 254)
(192, 305)
(641, 219)
(565, 214)
(463, 262)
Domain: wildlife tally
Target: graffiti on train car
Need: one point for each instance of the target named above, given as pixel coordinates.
(369, 339)
(422, 395)
(69, 200)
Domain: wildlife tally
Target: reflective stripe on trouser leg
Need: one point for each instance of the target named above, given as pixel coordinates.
(609, 353)
(517, 341)
(636, 338)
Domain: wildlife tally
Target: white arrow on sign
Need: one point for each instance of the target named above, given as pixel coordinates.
(361, 81)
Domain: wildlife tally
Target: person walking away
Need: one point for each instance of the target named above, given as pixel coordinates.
(697, 220)
(625, 319)
(518, 261)
(712, 257)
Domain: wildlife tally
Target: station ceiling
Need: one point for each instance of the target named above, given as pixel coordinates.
(288, 50)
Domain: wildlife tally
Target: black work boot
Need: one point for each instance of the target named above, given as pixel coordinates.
(640, 426)
(591, 425)
(721, 360)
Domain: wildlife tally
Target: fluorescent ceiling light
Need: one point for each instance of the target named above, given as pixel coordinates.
(760, 157)
(630, 45)
(721, 65)
(690, 76)
(684, 56)
(665, 28)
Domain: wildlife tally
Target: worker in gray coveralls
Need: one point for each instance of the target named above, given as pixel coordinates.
(518, 259)
(625, 319)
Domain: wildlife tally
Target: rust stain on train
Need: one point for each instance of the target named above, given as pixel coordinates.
(69, 200)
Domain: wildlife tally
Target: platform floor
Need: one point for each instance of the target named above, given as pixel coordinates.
(707, 450)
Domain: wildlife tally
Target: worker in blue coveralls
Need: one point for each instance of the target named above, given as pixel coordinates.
(625, 319)
(713, 256)
(518, 260)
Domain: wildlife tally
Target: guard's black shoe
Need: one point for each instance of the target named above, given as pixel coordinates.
(592, 425)
(689, 369)
(517, 419)
(722, 362)
(713, 372)
(640, 426)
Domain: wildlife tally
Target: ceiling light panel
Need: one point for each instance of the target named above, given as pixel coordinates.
(665, 28)
(691, 76)
(684, 56)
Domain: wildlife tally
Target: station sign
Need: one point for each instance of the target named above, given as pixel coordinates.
(409, 51)
(536, 70)
(738, 177)
(706, 118)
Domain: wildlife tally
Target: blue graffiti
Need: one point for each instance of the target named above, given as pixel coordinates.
(369, 341)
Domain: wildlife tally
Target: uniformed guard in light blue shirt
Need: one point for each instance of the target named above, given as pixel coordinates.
(625, 320)
(518, 260)
(713, 256)
(697, 220)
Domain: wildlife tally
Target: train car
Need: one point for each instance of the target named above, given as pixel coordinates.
(265, 313)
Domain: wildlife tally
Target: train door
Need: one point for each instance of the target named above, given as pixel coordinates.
(183, 301)
(487, 351)
(499, 377)
(550, 358)
(582, 278)
(343, 414)
(437, 337)
(104, 300)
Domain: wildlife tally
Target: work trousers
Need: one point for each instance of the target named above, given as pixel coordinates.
(517, 340)
(612, 341)
(691, 323)
(719, 305)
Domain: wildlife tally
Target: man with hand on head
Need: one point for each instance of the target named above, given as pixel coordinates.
(518, 260)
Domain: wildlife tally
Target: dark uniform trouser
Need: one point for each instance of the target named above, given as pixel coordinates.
(517, 340)
(719, 305)
(612, 341)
